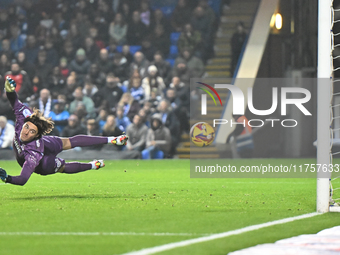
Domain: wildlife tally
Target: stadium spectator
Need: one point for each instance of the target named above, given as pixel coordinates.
(56, 38)
(137, 30)
(158, 140)
(129, 105)
(110, 93)
(31, 49)
(116, 5)
(146, 13)
(160, 20)
(135, 87)
(63, 66)
(74, 36)
(201, 22)
(5, 106)
(127, 54)
(56, 82)
(182, 92)
(92, 129)
(96, 76)
(122, 121)
(181, 15)
(137, 134)
(68, 51)
(153, 82)
(145, 117)
(237, 41)
(139, 63)
(59, 115)
(43, 67)
(190, 39)
(91, 49)
(161, 40)
(101, 119)
(73, 127)
(89, 89)
(209, 12)
(120, 67)
(4, 22)
(80, 64)
(147, 48)
(102, 19)
(154, 101)
(110, 128)
(86, 101)
(25, 65)
(5, 64)
(69, 88)
(6, 48)
(99, 41)
(112, 48)
(170, 120)
(24, 86)
(6, 133)
(125, 10)
(163, 67)
(193, 63)
(179, 108)
(104, 64)
(118, 29)
(182, 71)
(51, 52)
(45, 102)
(41, 34)
(17, 40)
(37, 85)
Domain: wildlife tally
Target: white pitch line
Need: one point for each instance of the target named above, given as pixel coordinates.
(96, 234)
(170, 246)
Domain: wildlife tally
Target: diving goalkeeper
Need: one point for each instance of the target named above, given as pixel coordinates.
(36, 152)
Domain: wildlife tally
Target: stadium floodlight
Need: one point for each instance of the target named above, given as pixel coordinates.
(325, 106)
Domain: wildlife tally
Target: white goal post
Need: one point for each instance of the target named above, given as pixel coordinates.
(324, 100)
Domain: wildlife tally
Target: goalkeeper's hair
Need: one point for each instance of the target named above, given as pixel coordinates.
(43, 124)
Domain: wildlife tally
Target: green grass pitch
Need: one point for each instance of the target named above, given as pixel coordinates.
(133, 197)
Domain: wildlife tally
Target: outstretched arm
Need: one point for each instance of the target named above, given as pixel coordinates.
(26, 172)
(20, 110)
(10, 91)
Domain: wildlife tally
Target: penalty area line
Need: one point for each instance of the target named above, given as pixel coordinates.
(170, 246)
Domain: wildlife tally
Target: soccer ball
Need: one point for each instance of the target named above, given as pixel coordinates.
(202, 134)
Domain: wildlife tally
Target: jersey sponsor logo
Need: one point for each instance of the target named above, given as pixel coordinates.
(26, 113)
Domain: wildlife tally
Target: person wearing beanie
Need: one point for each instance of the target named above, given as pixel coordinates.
(153, 82)
(80, 64)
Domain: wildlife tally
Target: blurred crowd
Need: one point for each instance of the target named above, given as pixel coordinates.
(103, 67)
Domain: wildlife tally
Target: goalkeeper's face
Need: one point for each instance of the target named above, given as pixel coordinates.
(28, 132)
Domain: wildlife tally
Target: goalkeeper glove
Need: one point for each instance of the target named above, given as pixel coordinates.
(3, 175)
(10, 84)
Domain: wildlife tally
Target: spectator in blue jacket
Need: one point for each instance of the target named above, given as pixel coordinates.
(59, 115)
(122, 121)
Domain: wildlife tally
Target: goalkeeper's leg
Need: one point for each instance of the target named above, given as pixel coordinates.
(84, 140)
(76, 167)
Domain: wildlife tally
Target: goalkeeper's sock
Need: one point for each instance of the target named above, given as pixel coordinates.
(85, 140)
(111, 138)
(76, 167)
